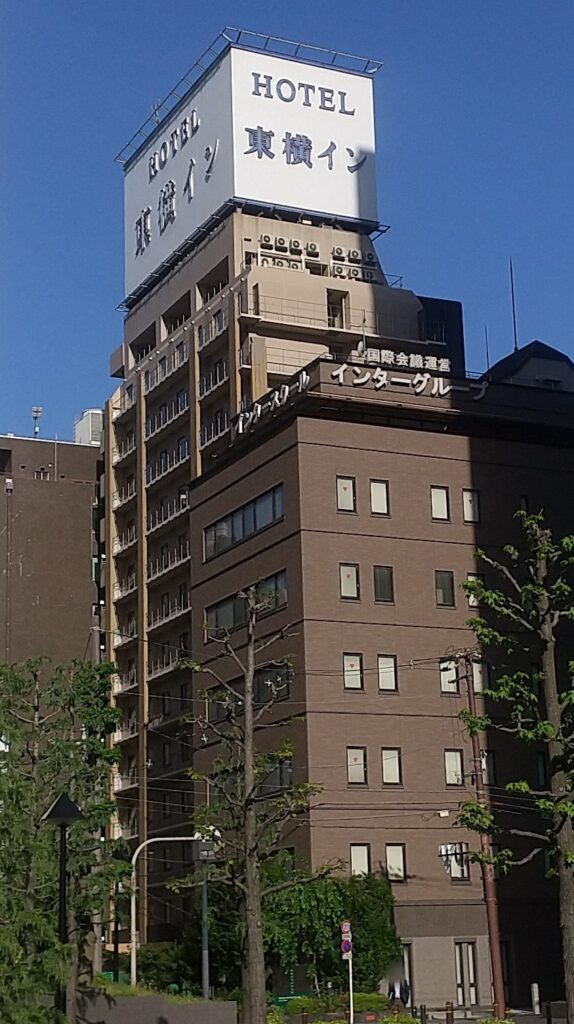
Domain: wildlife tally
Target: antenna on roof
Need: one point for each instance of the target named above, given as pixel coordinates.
(37, 411)
(513, 306)
(486, 347)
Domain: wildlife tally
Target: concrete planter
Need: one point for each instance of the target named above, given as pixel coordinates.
(98, 1008)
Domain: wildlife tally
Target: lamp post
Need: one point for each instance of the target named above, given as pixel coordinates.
(63, 812)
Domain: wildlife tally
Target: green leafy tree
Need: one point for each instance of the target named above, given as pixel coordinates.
(53, 724)
(524, 621)
(253, 797)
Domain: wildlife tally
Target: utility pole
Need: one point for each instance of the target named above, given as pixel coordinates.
(464, 672)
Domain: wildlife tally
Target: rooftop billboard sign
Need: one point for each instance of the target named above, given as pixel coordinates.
(256, 128)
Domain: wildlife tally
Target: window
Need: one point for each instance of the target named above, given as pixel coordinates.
(337, 303)
(439, 503)
(473, 601)
(230, 613)
(470, 506)
(387, 670)
(523, 502)
(541, 770)
(346, 497)
(41, 474)
(479, 676)
(165, 808)
(448, 677)
(380, 497)
(383, 582)
(488, 766)
(357, 766)
(396, 862)
(444, 588)
(465, 966)
(349, 581)
(459, 867)
(453, 769)
(353, 671)
(268, 680)
(360, 858)
(392, 771)
(243, 522)
(166, 754)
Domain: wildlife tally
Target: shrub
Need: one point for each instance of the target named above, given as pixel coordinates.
(306, 1004)
(399, 1018)
(364, 1002)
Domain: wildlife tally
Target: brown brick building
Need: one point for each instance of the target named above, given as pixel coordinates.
(49, 551)
(280, 421)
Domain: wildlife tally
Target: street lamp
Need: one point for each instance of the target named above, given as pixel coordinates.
(63, 812)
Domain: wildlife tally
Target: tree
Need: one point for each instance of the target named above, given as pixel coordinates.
(53, 724)
(253, 797)
(525, 621)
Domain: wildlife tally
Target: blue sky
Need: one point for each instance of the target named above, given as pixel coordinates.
(475, 111)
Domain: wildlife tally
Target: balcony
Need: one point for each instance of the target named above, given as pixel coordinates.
(167, 463)
(125, 587)
(121, 497)
(166, 513)
(125, 780)
(166, 367)
(122, 684)
(169, 561)
(125, 731)
(124, 541)
(124, 636)
(126, 402)
(211, 431)
(169, 611)
(166, 415)
(211, 329)
(170, 661)
(209, 382)
(123, 450)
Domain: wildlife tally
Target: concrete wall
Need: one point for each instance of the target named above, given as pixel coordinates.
(100, 1009)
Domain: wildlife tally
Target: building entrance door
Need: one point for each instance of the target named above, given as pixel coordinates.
(465, 966)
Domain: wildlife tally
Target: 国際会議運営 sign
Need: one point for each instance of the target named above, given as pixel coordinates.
(256, 127)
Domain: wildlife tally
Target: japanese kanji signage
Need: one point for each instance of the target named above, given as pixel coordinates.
(257, 127)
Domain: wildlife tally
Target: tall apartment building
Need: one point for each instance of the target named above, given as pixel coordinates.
(49, 552)
(287, 414)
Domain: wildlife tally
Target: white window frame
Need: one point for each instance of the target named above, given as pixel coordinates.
(352, 676)
(472, 577)
(444, 604)
(343, 567)
(387, 671)
(401, 863)
(448, 676)
(480, 672)
(379, 488)
(360, 858)
(439, 495)
(489, 769)
(453, 768)
(341, 496)
(391, 766)
(470, 505)
(459, 867)
(359, 766)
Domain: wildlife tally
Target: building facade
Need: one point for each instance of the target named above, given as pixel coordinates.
(288, 413)
(49, 555)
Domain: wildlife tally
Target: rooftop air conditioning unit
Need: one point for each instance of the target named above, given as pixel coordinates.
(354, 255)
(339, 270)
(338, 252)
(278, 262)
(369, 257)
(265, 261)
(295, 245)
(312, 249)
(294, 265)
(355, 272)
(281, 244)
(266, 242)
(368, 275)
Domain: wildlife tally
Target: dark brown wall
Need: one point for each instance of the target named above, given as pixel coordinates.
(47, 592)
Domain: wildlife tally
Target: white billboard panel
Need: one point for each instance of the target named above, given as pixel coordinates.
(266, 129)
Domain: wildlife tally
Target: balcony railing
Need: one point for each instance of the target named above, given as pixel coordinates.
(125, 635)
(124, 495)
(168, 611)
(123, 450)
(125, 780)
(170, 560)
(125, 731)
(166, 415)
(125, 587)
(166, 366)
(218, 426)
(164, 514)
(167, 663)
(124, 541)
(210, 381)
(126, 401)
(124, 683)
(211, 329)
(164, 465)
